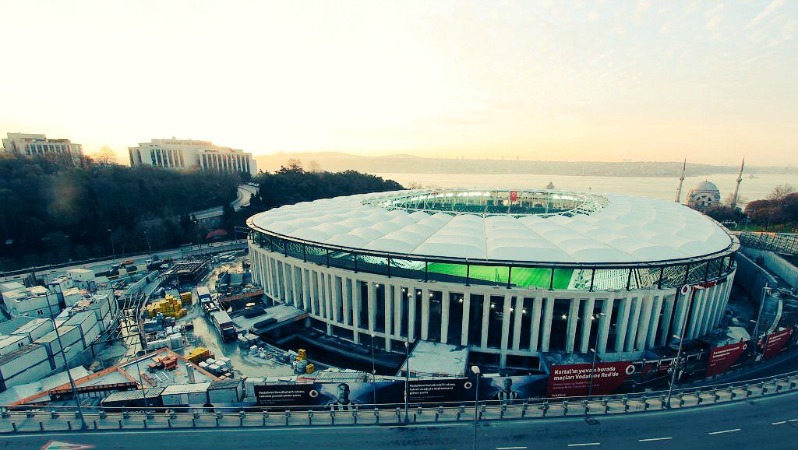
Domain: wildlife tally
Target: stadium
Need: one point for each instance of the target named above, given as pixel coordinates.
(508, 273)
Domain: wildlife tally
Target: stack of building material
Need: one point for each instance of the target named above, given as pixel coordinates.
(185, 298)
(199, 354)
(169, 306)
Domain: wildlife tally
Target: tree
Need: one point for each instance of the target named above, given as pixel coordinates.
(105, 156)
(780, 191)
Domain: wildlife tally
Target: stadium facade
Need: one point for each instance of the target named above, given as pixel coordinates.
(509, 273)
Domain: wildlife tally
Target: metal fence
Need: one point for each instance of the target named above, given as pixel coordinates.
(57, 419)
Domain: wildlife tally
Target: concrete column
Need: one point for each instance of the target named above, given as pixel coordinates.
(709, 324)
(296, 275)
(634, 319)
(725, 299)
(305, 290)
(466, 316)
(389, 302)
(311, 276)
(286, 285)
(425, 314)
(587, 325)
(397, 311)
(534, 331)
(445, 304)
(325, 311)
(372, 303)
(709, 314)
(346, 299)
(645, 320)
(573, 320)
(411, 314)
(269, 277)
(681, 312)
(654, 323)
(485, 319)
(605, 323)
(507, 306)
(547, 313)
(667, 312)
(519, 314)
(356, 309)
(623, 319)
(699, 303)
(328, 298)
(336, 299)
(693, 313)
(720, 309)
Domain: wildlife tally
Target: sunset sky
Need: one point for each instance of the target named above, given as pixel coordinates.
(599, 81)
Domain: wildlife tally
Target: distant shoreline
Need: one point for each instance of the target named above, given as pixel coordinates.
(336, 162)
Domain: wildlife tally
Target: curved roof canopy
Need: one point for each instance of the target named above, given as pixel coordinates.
(518, 226)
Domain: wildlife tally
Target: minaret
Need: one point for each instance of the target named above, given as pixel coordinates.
(737, 188)
(681, 181)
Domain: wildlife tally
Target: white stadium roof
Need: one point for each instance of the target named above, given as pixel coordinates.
(622, 229)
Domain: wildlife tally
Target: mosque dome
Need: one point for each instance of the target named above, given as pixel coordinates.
(703, 196)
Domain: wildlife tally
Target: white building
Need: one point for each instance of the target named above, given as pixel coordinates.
(509, 274)
(34, 301)
(187, 154)
(37, 144)
(30, 348)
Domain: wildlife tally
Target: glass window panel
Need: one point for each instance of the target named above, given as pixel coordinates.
(673, 276)
(407, 268)
(316, 254)
(697, 272)
(372, 264)
(531, 277)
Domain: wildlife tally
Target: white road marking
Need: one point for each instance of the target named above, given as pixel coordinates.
(656, 439)
(510, 448)
(724, 431)
(587, 444)
(779, 423)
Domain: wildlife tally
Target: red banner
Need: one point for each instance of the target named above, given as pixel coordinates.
(513, 196)
(775, 342)
(574, 380)
(722, 358)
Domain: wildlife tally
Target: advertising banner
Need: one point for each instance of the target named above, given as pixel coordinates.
(441, 390)
(508, 390)
(723, 358)
(775, 342)
(575, 380)
(329, 395)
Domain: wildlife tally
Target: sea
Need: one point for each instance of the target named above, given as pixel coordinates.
(655, 187)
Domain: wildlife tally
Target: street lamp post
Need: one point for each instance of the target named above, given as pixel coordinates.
(66, 365)
(373, 371)
(592, 372)
(765, 293)
(407, 379)
(595, 356)
(686, 289)
(476, 371)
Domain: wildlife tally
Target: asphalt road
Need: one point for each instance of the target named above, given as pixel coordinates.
(767, 423)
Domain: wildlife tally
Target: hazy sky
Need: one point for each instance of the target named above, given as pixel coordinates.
(640, 80)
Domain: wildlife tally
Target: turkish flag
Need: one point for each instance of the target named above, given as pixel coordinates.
(513, 196)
